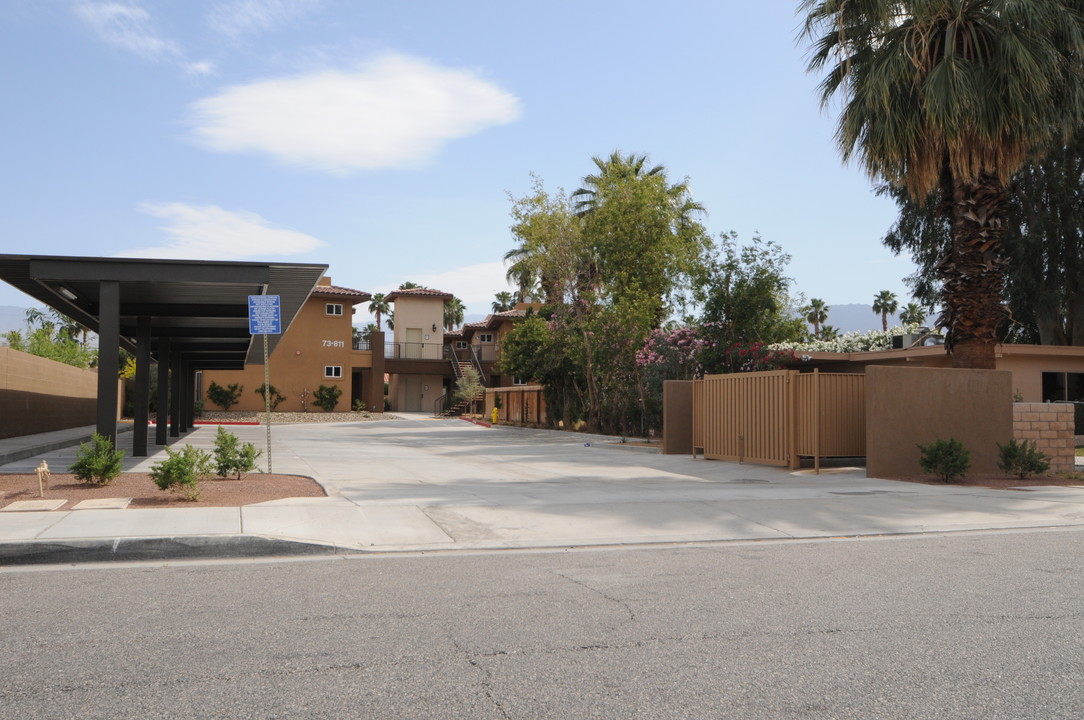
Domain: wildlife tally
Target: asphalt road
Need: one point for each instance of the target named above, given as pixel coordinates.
(986, 625)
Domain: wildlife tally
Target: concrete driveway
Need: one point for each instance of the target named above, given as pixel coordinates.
(427, 484)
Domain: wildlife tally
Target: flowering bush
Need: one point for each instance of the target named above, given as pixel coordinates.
(850, 342)
(675, 353)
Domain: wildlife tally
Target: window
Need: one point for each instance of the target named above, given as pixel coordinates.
(333, 371)
(333, 309)
(485, 337)
(1059, 386)
(460, 344)
(517, 380)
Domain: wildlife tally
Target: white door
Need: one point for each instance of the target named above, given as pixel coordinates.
(413, 348)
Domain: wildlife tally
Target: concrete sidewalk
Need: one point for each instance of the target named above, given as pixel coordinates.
(426, 484)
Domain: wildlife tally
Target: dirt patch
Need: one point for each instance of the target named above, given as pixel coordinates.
(1003, 482)
(214, 492)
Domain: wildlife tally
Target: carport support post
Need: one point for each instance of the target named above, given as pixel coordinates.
(175, 394)
(185, 402)
(108, 357)
(161, 430)
(143, 387)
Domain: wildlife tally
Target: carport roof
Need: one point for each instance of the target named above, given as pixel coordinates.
(200, 306)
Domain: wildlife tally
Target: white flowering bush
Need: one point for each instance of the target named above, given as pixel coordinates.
(850, 342)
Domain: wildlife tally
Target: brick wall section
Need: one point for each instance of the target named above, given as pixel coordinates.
(39, 395)
(1050, 426)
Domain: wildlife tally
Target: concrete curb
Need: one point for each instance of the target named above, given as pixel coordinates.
(194, 547)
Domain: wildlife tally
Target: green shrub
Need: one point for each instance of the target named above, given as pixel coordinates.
(231, 456)
(359, 405)
(947, 459)
(224, 397)
(181, 471)
(327, 397)
(97, 462)
(1021, 459)
(276, 397)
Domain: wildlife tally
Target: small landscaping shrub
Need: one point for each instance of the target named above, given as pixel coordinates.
(181, 471)
(276, 397)
(327, 397)
(1021, 459)
(233, 457)
(97, 462)
(947, 459)
(224, 397)
(359, 405)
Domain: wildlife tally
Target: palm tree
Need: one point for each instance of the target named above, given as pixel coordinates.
(885, 303)
(951, 97)
(815, 313)
(453, 312)
(503, 301)
(828, 332)
(408, 285)
(913, 314)
(379, 306)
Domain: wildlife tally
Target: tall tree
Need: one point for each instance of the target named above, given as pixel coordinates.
(951, 96)
(747, 295)
(1043, 238)
(913, 314)
(453, 313)
(884, 304)
(815, 313)
(503, 301)
(379, 306)
(641, 232)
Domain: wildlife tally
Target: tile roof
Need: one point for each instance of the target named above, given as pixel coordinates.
(342, 292)
(417, 292)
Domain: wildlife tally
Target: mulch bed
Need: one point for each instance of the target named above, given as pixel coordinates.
(1003, 482)
(214, 492)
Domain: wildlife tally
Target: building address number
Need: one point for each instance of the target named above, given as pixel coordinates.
(334, 343)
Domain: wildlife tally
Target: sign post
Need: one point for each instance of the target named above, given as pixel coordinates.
(265, 318)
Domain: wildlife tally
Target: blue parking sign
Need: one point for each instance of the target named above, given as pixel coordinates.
(264, 315)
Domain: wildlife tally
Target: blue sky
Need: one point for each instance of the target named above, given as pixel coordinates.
(384, 138)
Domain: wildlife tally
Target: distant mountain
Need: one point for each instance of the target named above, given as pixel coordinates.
(12, 318)
(856, 316)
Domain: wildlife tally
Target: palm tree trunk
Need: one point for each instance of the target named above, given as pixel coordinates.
(973, 272)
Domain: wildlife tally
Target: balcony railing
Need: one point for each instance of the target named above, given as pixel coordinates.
(484, 352)
(362, 345)
(415, 351)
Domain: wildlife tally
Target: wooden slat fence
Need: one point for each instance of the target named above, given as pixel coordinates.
(776, 417)
(520, 405)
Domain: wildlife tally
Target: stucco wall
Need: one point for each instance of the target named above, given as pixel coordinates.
(677, 420)
(906, 407)
(1050, 426)
(422, 313)
(314, 340)
(39, 395)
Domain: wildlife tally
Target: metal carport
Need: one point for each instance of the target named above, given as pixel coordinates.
(188, 315)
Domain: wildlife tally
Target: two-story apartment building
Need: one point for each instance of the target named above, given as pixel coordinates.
(316, 349)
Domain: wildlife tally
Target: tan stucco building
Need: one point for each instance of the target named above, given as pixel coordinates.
(316, 349)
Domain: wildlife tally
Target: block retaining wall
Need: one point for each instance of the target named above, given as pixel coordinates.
(1050, 426)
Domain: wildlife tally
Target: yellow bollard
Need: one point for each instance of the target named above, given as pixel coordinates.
(495, 413)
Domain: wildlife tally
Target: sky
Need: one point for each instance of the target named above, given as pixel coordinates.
(385, 139)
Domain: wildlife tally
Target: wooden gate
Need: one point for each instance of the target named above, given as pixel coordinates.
(776, 417)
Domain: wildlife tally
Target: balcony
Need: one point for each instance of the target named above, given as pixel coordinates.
(415, 351)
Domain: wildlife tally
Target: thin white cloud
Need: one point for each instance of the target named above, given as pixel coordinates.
(396, 111)
(203, 67)
(207, 232)
(128, 26)
(248, 17)
(475, 284)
